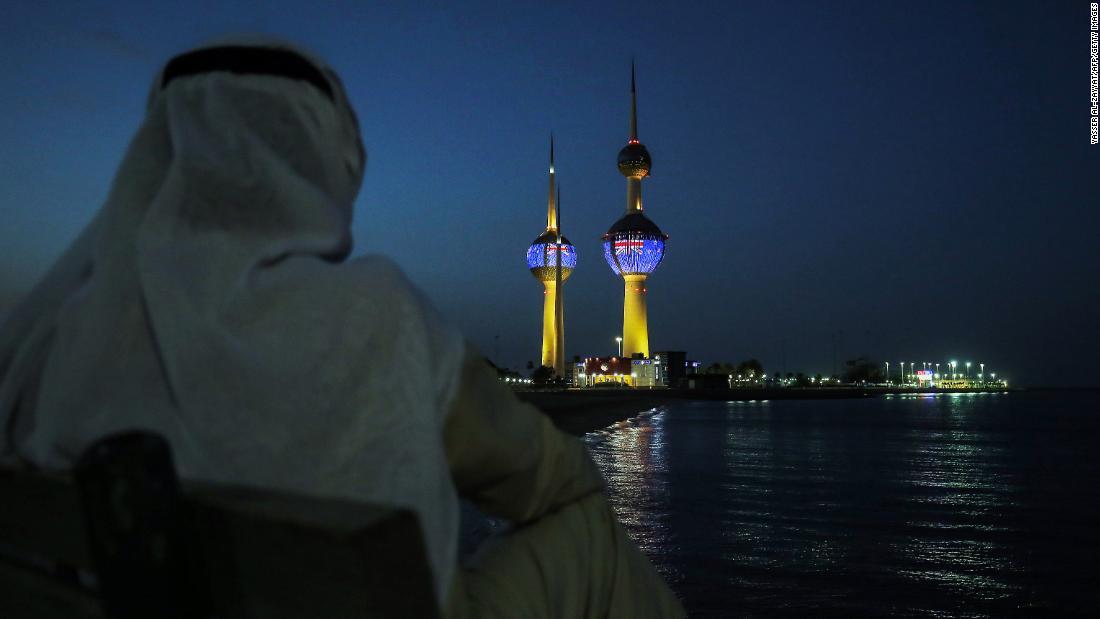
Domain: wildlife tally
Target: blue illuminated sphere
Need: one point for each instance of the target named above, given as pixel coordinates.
(634, 245)
(542, 257)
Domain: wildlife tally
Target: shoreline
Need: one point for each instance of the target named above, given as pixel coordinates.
(577, 411)
(581, 412)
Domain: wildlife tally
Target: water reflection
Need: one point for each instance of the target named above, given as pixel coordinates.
(917, 505)
(955, 483)
(630, 454)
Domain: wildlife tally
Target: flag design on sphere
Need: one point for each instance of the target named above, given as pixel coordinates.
(625, 246)
(633, 255)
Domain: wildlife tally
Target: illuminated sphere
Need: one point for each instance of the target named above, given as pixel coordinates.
(542, 257)
(634, 160)
(634, 245)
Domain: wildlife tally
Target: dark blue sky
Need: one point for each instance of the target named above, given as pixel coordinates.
(912, 181)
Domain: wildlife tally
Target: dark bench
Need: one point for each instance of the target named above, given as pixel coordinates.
(120, 538)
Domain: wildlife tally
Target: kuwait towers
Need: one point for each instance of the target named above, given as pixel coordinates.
(634, 245)
(552, 258)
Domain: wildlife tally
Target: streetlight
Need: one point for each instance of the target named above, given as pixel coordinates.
(953, 365)
(887, 372)
(937, 370)
(982, 366)
(968, 369)
(619, 342)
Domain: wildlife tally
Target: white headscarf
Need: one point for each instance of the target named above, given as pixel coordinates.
(209, 301)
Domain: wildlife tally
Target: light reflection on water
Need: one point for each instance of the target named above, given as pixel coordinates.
(978, 505)
(631, 458)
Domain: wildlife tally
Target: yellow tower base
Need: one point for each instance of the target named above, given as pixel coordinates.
(552, 355)
(635, 322)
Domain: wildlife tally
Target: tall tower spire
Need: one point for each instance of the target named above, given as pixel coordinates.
(633, 106)
(551, 205)
(551, 259)
(634, 160)
(634, 245)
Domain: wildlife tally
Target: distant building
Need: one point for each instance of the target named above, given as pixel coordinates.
(670, 367)
(954, 383)
(594, 371)
(667, 368)
(644, 372)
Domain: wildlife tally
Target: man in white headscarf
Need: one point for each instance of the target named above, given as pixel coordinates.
(210, 301)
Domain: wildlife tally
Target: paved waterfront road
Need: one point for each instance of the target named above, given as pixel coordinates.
(954, 505)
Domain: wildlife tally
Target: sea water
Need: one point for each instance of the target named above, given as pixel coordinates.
(964, 505)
